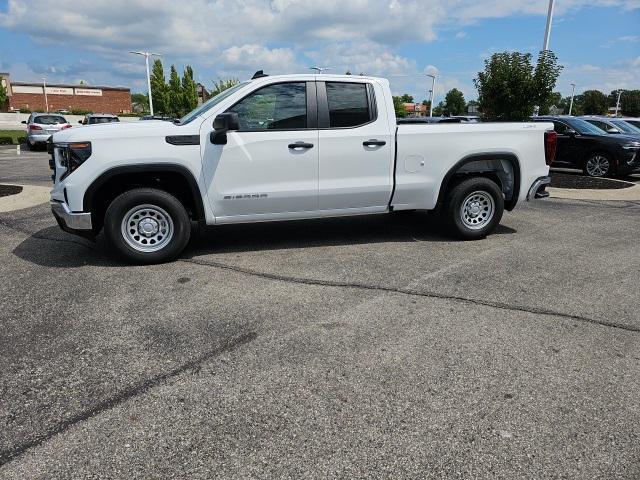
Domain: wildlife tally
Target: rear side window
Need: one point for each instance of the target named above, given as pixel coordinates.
(49, 119)
(281, 106)
(560, 128)
(348, 104)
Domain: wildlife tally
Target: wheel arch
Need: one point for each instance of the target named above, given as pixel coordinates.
(489, 165)
(173, 178)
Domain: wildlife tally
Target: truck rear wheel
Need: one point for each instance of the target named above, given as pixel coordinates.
(146, 225)
(473, 208)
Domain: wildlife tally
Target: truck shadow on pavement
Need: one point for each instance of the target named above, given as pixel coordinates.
(50, 247)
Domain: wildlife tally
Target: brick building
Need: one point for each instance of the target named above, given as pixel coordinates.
(94, 98)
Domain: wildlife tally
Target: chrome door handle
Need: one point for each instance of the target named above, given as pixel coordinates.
(300, 145)
(374, 143)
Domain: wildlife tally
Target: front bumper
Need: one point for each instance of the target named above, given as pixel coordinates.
(73, 222)
(538, 188)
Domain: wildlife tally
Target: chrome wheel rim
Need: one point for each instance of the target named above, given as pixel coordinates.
(477, 210)
(147, 228)
(597, 166)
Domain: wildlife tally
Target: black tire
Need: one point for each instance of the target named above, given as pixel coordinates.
(598, 172)
(147, 205)
(28, 145)
(467, 224)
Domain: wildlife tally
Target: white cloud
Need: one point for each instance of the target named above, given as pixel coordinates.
(624, 74)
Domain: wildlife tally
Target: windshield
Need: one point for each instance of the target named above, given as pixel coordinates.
(209, 104)
(49, 119)
(584, 127)
(626, 127)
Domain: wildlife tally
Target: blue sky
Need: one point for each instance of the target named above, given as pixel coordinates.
(68, 41)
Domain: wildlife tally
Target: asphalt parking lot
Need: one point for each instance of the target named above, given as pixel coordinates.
(370, 347)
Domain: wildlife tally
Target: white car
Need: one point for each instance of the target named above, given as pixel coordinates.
(40, 126)
(284, 148)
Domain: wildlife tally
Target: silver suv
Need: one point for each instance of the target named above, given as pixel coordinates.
(41, 126)
(94, 118)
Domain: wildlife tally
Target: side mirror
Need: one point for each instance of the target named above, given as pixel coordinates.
(223, 123)
(613, 130)
(24, 121)
(80, 122)
(571, 132)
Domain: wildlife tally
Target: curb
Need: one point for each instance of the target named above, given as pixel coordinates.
(620, 194)
(30, 196)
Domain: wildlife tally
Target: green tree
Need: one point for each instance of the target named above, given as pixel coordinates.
(3, 96)
(630, 103)
(439, 110)
(593, 102)
(222, 84)
(510, 86)
(159, 90)
(406, 98)
(175, 93)
(189, 91)
(141, 99)
(398, 106)
(454, 102)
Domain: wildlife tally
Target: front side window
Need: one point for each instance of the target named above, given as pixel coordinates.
(348, 104)
(282, 106)
(560, 128)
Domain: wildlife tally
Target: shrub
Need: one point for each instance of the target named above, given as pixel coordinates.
(80, 111)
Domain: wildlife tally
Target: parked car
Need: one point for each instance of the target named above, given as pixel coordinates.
(94, 118)
(406, 120)
(633, 121)
(585, 146)
(63, 111)
(40, 126)
(157, 117)
(612, 125)
(285, 148)
(468, 118)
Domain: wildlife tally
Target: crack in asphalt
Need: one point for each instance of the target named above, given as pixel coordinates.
(408, 291)
(12, 453)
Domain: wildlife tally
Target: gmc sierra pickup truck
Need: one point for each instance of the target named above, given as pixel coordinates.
(284, 148)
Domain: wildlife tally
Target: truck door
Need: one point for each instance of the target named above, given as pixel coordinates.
(356, 146)
(270, 165)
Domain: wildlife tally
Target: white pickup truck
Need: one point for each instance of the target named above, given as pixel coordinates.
(284, 148)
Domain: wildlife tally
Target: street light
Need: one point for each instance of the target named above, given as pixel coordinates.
(573, 89)
(44, 89)
(146, 58)
(433, 93)
(618, 102)
(547, 32)
(320, 69)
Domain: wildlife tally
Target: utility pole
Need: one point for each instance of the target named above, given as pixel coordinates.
(44, 89)
(146, 57)
(547, 32)
(573, 90)
(618, 102)
(433, 93)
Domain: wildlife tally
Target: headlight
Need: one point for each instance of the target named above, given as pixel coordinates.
(72, 155)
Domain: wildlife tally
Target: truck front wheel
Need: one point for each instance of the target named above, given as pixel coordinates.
(473, 208)
(146, 225)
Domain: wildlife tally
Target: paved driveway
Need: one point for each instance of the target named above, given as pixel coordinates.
(371, 347)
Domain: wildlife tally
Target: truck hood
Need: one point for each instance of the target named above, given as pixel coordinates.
(123, 130)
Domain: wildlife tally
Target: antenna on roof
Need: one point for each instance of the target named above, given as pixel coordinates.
(320, 69)
(259, 74)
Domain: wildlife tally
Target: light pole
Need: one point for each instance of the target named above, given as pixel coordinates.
(146, 58)
(573, 90)
(433, 93)
(44, 90)
(547, 32)
(618, 102)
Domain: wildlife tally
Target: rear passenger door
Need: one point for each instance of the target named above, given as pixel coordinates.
(355, 147)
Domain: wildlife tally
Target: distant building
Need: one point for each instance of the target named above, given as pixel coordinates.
(93, 98)
(203, 94)
(416, 109)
